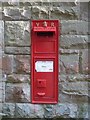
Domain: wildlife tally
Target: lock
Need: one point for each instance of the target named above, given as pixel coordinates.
(41, 83)
(44, 61)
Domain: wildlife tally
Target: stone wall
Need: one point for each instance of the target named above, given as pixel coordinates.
(15, 82)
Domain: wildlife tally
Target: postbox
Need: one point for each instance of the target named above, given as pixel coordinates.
(44, 61)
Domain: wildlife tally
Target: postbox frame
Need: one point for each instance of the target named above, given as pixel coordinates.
(37, 57)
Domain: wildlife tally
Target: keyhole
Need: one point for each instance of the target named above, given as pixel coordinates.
(40, 82)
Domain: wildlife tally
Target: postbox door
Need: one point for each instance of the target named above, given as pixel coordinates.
(44, 60)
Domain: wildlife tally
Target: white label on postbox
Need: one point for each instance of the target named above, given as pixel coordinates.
(44, 66)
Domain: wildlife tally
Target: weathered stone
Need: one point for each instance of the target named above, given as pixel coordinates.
(1, 46)
(71, 98)
(2, 91)
(7, 64)
(26, 12)
(13, 2)
(29, 111)
(17, 50)
(39, 3)
(1, 107)
(65, 110)
(78, 88)
(48, 111)
(61, 110)
(16, 64)
(63, 4)
(17, 12)
(68, 51)
(1, 31)
(18, 78)
(1, 13)
(74, 78)
(36, 9)
(69, 64)
(73, 110)
(85, 61)
(17, 33)
(22, 64)
(84, 11)
(1, 73)
(12, 11)
(74, 41)
(17, 92)
(63, 13)
(83, 110)
(74, 27)
(40, 11)
(9, 109)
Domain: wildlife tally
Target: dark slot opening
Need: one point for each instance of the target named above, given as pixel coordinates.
(45, 34)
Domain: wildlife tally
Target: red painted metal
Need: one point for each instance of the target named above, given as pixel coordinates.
(44, 61)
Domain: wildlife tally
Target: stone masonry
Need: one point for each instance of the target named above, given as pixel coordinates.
(15, 53)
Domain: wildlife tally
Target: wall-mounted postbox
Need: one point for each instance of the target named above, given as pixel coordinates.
(44, 61)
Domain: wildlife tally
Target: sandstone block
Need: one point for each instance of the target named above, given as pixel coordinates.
(86, 61)
(7, 64)
(9, 109)
(74, 27)
(17, 92)
(79, 88)
(18, 78)
(22, 64)
(17, 33)
(69, 64)
(29, 111)
(17, 50)
(74, 41)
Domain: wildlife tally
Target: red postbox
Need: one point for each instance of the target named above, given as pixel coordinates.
(44, 61)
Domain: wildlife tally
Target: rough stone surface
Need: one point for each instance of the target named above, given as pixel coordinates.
(29, 111)
(22, 64)
(40, 12)
(78, 88)
(82, 111)
(74, 78)
(9, 109)
(48, 10)
(84, 9)
(18, 78)
(7, 64)
(68, 51)
(17, 13)
(17, 33)
(2, 91)
(61, 110)
(17, 92)
(1, 30)
(17, 50)
(75, 27)
(85, 61)
(64, 13)
(69, 64)
(74, 41)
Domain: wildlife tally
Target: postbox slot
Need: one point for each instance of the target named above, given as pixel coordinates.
(49, 34)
